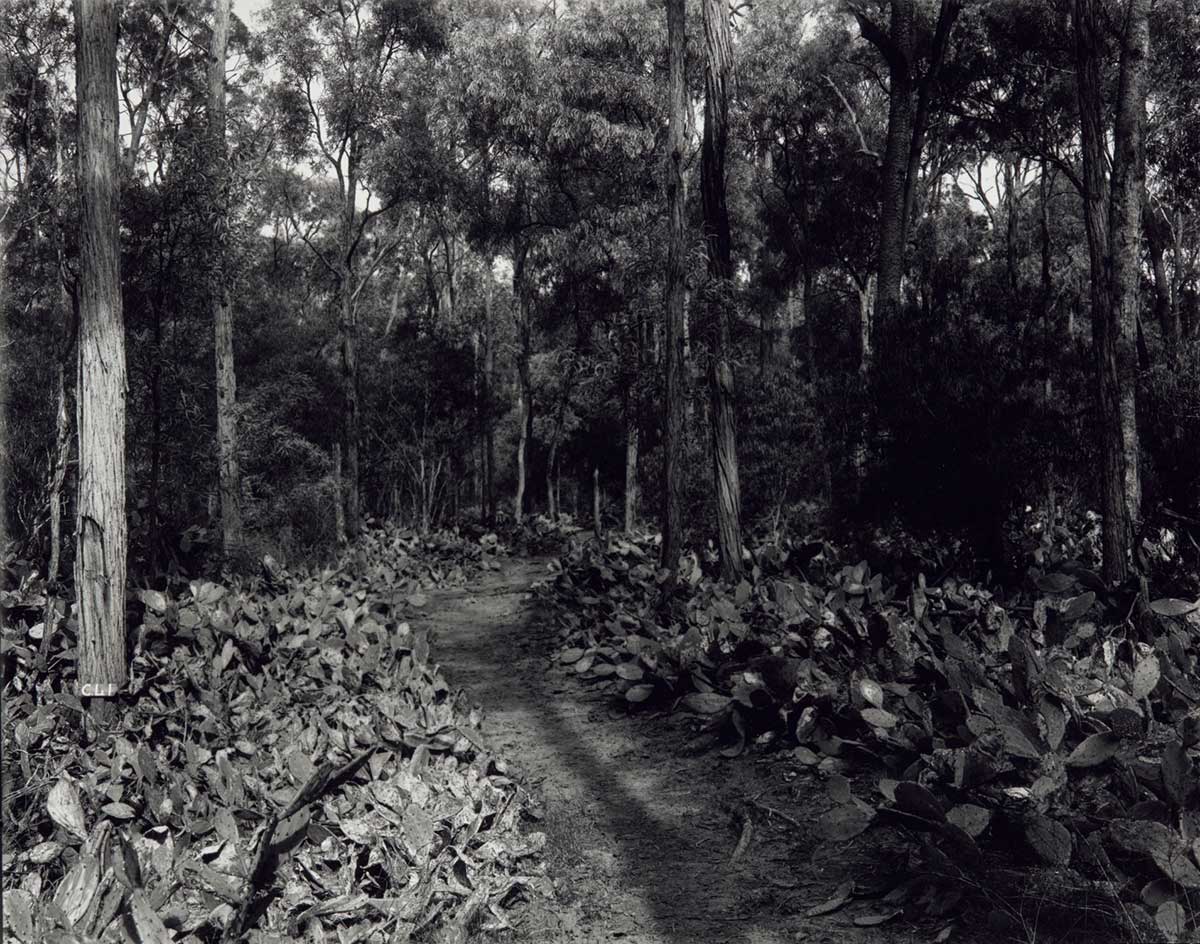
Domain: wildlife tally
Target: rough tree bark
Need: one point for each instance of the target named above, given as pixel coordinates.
(633, 363)
(896, 47)
(672, 518)
(228, 474)
(1157, 236)
(1046, 304)
(867, 310)
(556, 437)
(348, 345)
(68, 323)
(1124, 230)
(524, 379)
(908, 123)
(101, 531)
(1112, 214)
(339, 506)
(718, 64)
(488, 385)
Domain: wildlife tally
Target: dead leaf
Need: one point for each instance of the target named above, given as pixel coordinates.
(1094, 750)
(874, 920)
(839, 898)
(66, 810)
(844, 822)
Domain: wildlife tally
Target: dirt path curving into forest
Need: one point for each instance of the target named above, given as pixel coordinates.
(641, 834)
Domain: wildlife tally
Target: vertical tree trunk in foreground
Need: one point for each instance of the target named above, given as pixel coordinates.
(101, 536)
(228, 475)
(1124, 235)
(672, 519)
(718, 59)
(1112, 213)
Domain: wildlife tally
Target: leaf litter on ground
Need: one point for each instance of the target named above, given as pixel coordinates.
(291, 757)
(1008, 731)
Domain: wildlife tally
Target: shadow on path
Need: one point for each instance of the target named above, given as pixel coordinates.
(639, 838)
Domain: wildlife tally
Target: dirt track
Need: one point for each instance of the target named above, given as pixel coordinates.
(641, 834)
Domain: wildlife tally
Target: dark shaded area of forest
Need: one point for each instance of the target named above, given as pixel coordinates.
(472, 197)
(843, 355)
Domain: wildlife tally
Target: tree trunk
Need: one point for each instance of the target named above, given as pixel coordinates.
(479, 447)
(68, 323)
(556, 437)
(348, 328)
(906, 129)
(348, 342)
(718, 242)
(896, 160)
(631, 464)
(101, 535)
(1177, 309)
(1045, 302)
(488, 385)
(1012, 223)
(1124, 233)
(867, 309)
(1165, 310)
(524, 381)
(153, 510)
(597, 524)
(229, 477)
(339, 505)
(672, 521)
(59, 461)
(1109, 214)
(948, 12)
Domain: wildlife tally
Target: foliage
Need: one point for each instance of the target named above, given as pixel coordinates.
(291, 755)
(1049, 729)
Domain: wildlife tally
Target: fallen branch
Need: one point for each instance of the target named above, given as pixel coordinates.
(744, 840)
(328, 776)
(782, 815)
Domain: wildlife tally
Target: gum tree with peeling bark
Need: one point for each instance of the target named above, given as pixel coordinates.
(718, 66)
(228, 476)
(674, 407)
(101, 529)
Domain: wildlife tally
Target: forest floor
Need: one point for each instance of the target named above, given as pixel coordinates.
(647, 841)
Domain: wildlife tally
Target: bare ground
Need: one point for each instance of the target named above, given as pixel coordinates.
(642, 835)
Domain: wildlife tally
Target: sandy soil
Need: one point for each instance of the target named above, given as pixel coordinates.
(642, 834)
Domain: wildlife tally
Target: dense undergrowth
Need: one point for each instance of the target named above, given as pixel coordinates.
(289, 761)
(1044, 737)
